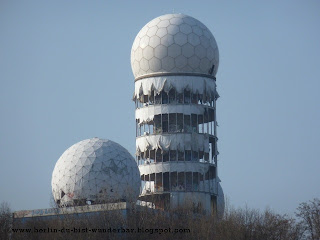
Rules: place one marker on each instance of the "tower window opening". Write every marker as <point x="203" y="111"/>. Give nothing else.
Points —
<point x="138" y="103"/>
<point x="188" y="181"/>
<point x="200" y="123"/>
<point x="188" y="155"/>
<point x="194" y="124"/>
<point x="200" y="98"/>
<point x="179" y="122"/>
<point x="201" y="183"/>
<point x="181" y="182"/>
<point x="211" y="114"/>
<point x="146" y="154"/>
<point x="187" y="125"/>
<point x="211" y="119"/>
<point x="158" y="184"/>
<point x="194" y="98"/>
<point x="147" y="177"/>
<point x="172" y="122"/>
<point x="150" y="127"/>
<point x="180" y="155"/>
<point x="157" y="98"/>
<point x="187" y="97"/>
<point x="201" y="156"/>
<point x="141" y="100"/>
<point x="159" y="155"/>
<point x="172" y="96"/>
<point x="141" y="159"/>
<point x="145" y="100"/>
<point x="180" y="98"/>
<point x="145" y="128"/>
<point x="151" y="98"/>
<point x="142" y="156"/>
<point x="151" y="182"/>
<point x="212" y="172"/>
<point x="157" y="124"/>
<point x="166" y="182"/>
<point x="207" y="175"/>
<point x="173" y="155"/>
<point x="195" y="181"/>
<point x="195" y="156"/>
<point x="174" y="181"/>
<point x="205" y="125"/>
<point x="210" y="127"/>
<point x="165" y="156"/>
<point x="206" y="157"/>
<point x="165" y="122"/>
<point x="152" y="156"/>
<point x="211" y="149"/>
<point x="141" y="127"/>
<point x="214" y="148"/>
<point x="205" y="120"/>
<point x="165" y="97"/>
<point x="137" y="127"/>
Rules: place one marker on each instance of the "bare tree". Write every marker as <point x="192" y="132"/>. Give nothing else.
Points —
<point x="251" y="224"/>
<point x="5" y="220"/>
<point x="191" y="223"/>
<point x="309" y="213"/>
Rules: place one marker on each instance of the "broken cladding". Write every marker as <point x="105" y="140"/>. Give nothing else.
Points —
<point x="174" y="59"/>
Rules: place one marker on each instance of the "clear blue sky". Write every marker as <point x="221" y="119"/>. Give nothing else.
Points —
<point x="65" y="76"/>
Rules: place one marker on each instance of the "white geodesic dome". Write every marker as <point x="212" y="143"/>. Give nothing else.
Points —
<point x="174" y="43"/>
<point x="96" y="171"/>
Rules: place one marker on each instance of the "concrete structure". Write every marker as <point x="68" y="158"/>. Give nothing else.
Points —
<point x="48" y="212"/>
<point x="174" y="60"/>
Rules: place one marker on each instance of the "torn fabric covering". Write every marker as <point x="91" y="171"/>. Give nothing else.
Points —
<point x="174" y="167"/>
<point x="195" y="84"/>
<point x="194" y="141"/>
<point x="147" y="114"/>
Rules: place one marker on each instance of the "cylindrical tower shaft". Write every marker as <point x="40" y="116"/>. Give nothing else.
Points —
<point x="176" y="139"/>
<point x="174" y="60"/>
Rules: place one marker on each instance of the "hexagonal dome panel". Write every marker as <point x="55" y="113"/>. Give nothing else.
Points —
<point x="95" y="170"/>
<point x="181" y="44"/>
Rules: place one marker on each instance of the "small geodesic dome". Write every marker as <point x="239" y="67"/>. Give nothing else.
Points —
<point x="95" y="171"/>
